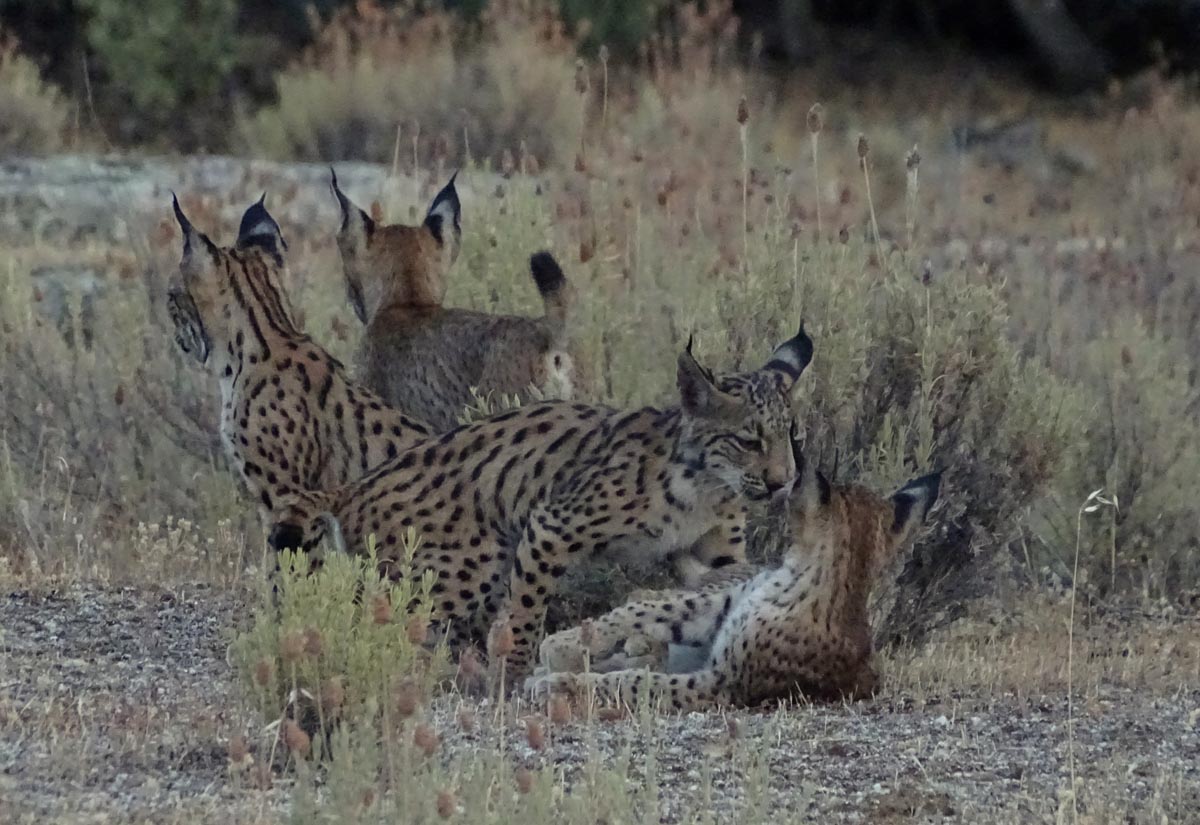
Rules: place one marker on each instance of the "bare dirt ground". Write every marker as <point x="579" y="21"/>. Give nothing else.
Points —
<point x="116" y="704"/>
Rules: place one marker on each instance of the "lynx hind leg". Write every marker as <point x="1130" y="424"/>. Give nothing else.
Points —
<point x="644" y="629"/>
<point x="687" y="691"/>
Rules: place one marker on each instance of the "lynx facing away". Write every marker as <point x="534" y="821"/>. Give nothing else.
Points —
<point x="424" y="358"/>
<point x="800" y="629"/>
<point x="291" y="420"/>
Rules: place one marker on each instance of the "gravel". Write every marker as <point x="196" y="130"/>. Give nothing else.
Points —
<point x="116" y="704"/>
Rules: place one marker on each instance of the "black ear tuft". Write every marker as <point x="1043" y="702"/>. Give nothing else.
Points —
<point x="348" y="209"/>
<point x="825" y="489"/>
<point x="259" y="229"/>
<point x="445" y="212"/>
<point x="286" y="537"/>
<point x="793" y="355"/>
<point x="914" y="500"/>
<point x="184" y="224"/>
<point x="547" y="274"/>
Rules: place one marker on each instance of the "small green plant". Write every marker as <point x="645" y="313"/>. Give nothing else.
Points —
<point x="340" y="644"/>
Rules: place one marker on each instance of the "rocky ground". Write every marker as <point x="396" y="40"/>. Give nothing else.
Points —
<point x="117" y="704"/>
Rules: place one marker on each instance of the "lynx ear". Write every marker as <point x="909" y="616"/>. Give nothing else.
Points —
<point x="811" y="489"/>
<point x="698" y="392"/>
<point x="356" y="224"/>
<point x="444" y="217"/>
<point x="913" y="501"/>
<point x="792" y="356"/>
<point x="199" y="253"/>
<point x="259" y="229"/>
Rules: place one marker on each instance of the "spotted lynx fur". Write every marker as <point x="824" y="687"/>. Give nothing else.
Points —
<point x="506" y="506"/>
<point x="800" y="629"/>
<point x="291" y="419"/>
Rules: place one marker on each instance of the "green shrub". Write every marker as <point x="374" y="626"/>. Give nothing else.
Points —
<point x="338" y="643"/>
<point x="33" y="114"/>
<point x="1135" y="434"/>
<point x="378" y="83"/>
<point x="166" y="67"/>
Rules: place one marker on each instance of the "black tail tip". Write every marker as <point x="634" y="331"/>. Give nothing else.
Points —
<point x="547" y="274"/>
<point x="286" y="537"/>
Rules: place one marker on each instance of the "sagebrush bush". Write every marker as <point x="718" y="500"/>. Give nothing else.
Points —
<point x="1134" y="432"/>
<point x="339" y="644"/>
<point x="383" y="82"/>
<point x="105" y="426"/>
<point x="33" y="114"/>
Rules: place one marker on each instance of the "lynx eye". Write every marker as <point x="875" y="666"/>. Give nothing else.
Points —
<point x="751" y="444"/>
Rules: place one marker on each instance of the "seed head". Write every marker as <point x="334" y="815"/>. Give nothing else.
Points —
<point x="295" y="738"/>
<point x="262" y="672"/>
<point x="239" y="751"/>
<point x="587" y="634"/>
<point x="377" y="211"/>
<point x="417" y="630"/>
<point x="291" y="647"/>
<point x="864" y="148"/>
<point x="469" y="665"/>
<point x="603" y="53"/>
<point x="446" y="804"/>
<point x="501" y="641"/>
<point x="743" y="111"/>
<point x="333" y="694"/>
<point x="559" y="709"/>
<point x="816" y="119"/>
<point x="381" y="609"/>
<point x="408" y="698"/>
<point x="466" y="719"/>
<point x="524" y="778"/>
<point x="314" y="644"/>
<point x="535" y="734"/>
<point x="426" y="739"/>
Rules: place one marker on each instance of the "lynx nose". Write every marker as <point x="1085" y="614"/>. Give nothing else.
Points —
<point x="773" y="485"/>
